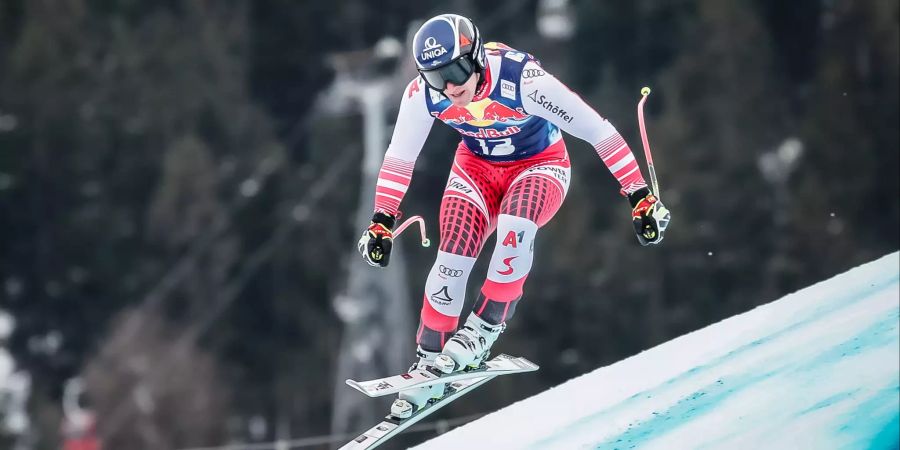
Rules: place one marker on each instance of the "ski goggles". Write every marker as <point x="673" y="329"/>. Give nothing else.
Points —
<point x="457" y="72"/>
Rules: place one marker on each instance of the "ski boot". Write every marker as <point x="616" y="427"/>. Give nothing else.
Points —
<point x="469" y="346"/>
<point x="409" y="401"/>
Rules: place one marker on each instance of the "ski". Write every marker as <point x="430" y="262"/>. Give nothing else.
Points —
<point x="501" y="365"/>
<point x="390" y="426"/>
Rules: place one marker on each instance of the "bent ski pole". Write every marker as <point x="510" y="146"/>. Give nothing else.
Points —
<point x="645" y="91"/>
<point x="425" y="241"/>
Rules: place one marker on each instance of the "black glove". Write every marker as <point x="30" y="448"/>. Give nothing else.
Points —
<point x="649" y="216"/>
<point x="376" y="242"/>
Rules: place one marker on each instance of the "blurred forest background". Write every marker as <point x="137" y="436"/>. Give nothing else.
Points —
<point x="180" y="184"/>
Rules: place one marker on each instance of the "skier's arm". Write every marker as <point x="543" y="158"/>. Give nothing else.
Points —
<point x="410" y="132"/>
<point x="545" y="96"/>
<point x="412" y="127"/>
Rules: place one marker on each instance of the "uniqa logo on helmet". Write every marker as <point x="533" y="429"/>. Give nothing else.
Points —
<point x="432" y="49"/>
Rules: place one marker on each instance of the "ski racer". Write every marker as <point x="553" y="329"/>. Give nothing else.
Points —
<point x="510" y="174"/>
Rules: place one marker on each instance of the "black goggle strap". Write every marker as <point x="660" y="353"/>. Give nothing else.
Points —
<point x="476" y="46"/>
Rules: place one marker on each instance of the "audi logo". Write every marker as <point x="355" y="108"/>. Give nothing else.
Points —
<point x="450" y="272"/>
<point x="533" y="73"/>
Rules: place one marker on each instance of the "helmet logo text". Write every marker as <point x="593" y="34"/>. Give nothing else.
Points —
<point x="432" y="49"/>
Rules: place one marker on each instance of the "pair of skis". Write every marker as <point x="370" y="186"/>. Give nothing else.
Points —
<point x="458" y="384"/>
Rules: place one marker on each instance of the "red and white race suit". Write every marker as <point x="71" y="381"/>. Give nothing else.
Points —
<point x="510" y="174"/>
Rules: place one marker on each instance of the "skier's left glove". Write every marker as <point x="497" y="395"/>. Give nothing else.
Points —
<point x="649" y="216"/>
<point x="376" y="242"/>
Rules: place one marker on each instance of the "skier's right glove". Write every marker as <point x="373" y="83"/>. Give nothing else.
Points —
<point x="649" y="216"/>
<point x="376" y="242"/>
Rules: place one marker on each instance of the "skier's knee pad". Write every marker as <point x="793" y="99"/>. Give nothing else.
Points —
<point x="512" y="257"/>
<point x="445" y="291"/>
<point x="510" y="265"/>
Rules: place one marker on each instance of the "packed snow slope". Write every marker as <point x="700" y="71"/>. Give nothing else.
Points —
<point x="817" y="369"/>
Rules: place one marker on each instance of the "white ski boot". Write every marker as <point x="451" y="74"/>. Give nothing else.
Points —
<point x="469" y="346"/>
<point x="412" y="399"/>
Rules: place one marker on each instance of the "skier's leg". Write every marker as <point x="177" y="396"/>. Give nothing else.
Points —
<point x="445" y="287"/>
<point x="467" y="216"/>
<point x="465" y="222"/>
<point x="531" y="201"/>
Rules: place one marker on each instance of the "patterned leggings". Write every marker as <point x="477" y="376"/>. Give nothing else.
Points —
<point x="515" y="199"/>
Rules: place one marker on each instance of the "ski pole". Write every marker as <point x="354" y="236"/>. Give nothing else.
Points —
<point x="406" y="223"/>
<point x="645" y="91"/>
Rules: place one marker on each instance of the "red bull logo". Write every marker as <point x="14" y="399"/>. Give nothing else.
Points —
<point x="490" y="111"/>
<point x="502" y="113"/>
<point x="455" y="114"/>
<point x="490" y="133"/>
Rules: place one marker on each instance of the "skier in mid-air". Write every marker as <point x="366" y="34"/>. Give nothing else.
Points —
<point x="511" y="173"/>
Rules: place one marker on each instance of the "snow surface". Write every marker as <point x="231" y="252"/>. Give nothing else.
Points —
<point x="817" y="369"/>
